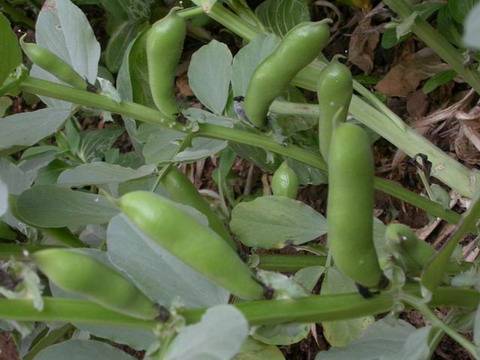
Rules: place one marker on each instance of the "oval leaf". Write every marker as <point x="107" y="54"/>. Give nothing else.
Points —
<point x="28" y="128"/>
<point x="54" y="206"/>
<point x="209" y="75"/>
<point x="82" y="350"/>
<point x="279" y="16"/>
<point x="98" y="173"/>
<point x="219" y="335"/>
<point x="9" y="48"/>
<point x="342" y="333"/>
<point x="275" y="221"/>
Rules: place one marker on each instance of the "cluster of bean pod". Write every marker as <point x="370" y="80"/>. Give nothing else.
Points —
<point x="210" y="249"/>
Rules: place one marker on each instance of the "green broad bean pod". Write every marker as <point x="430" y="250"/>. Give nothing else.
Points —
<point x="181" y="189"/>
<point x="196" y="245"/>
<point x="285" y="181"/>
<point x="164" y="45"/>
<point x="350" y="206"/>
<point x="300" y="46"/>
<point x="74" y="271"/>
<point x="335" y="90"/>
<point x="50" y="62"/>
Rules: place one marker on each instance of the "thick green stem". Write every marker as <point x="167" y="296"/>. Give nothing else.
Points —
<point x="315" y="308"/>
<point x="241" y="27"/>
<point x="336" y="307"/>
<point x="149" y="115"/>
<point x="435" y="321"/>
<point x="290" y="108"/>
<point x="289" y="263"/>
<point x="374" y="114"/>
<point x="437" y="43"/>
<point x="69" y="310"/>
<point x="433" y="208"/>
<point x="190" y="12"/>
<point x="315" y="160"/>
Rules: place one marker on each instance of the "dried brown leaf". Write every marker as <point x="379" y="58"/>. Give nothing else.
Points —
<point x="405" y="77"/>
<point x="183" y="86"/>
<point x="417" y="104"/>
<point x="363" y="43"/>
<point x="464" y="148"/>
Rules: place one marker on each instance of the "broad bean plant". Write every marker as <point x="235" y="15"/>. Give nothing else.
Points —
<point x="106" y="240"/>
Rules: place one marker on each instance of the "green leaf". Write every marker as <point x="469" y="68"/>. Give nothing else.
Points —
<point x="255" y="350"/>
<point x="416" y="347"/>
<point x="247" y="59"/>
<point x="476" y="328"/>
<point x="438" y="79"/>
<point x="308" y="277"/>
<point x="405" y="27"/>
<point x="209" y="75"/>
<point x="286" y="334"/>
<point x="279" y="16"/>
<point x="161" y="144"/>
<point x="5" y="103"/>
<point x="390" y="39"/>
<point x="49" y="174"/>
<point x="448" y="27"/>
<point x="118" y="43"/>
<point x="205" y="117"/>
<point x="219" y="335"/>
<point x="82" y="350"/>
<point x="137" y="339"/>
<point x="94" y="143"/>
<point x="257" y="156"/>
<point x="274" y="222"/>
<point x="99" y="173"/>
<point x="54" y="206"/>
<point x="14" y="177"/>
<point x="201" y="148"/>
<point x="72" y="136"/>
<point x="16" y="181"/>
<point x="285" y="287"/>
<point x="6" y="233"/>
<point x="382" y="340"/>
<point x="9" y="48"/>
<point x="65" y="30"/>
<point x="427" y="9"/>
<point x="472" y="28"/>
<point x="469" y="278"/>
<point x="307" y="175"/>
<point x="3" y="198"/>
<point x="156" y="272"/>
<point x="25" y="129"/>
<point x="342" y="333"/>
<point x="459" y="9"/>
<point x="440" y="195"/>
